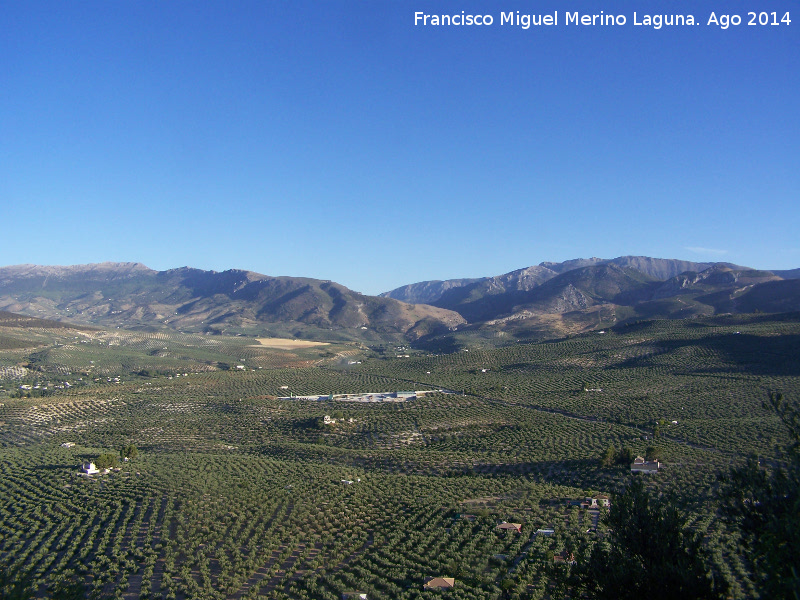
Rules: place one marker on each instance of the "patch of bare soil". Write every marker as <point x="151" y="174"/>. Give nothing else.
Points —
<point x="285" y="344"/>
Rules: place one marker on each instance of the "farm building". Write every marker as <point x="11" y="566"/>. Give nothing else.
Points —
<point x="439" y="583"/>
<point x="598" y="501"/>
<point x="89" y="468"/>
<point x="641" y="465"/>
<point x="603" y="500"/>
<point x="510" y="527"/>
<point x="595" y="502"/>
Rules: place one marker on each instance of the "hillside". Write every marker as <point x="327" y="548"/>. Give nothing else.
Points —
<point x="131" y="295"/>
<point x="605" y="294"/>
<point x="533" y="290"/>
<point x="430" y="292"/>
<point x="426" y="292"/>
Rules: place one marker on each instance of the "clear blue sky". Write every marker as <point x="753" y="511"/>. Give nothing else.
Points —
<point x="335" y="139"/>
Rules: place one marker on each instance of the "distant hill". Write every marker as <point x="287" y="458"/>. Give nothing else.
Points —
<point x="22" y="331"/>
<point x="426" y="292"/>
<point x="789" y="274"/>
<point x="8" y="319"/>
<point x="132" y="295"/>
<point x="430" y="292"/>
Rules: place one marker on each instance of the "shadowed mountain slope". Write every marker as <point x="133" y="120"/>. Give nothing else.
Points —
<point x="606" y="294"/>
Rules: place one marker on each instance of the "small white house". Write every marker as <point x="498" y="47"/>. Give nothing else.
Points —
<point x="89" y="468"/>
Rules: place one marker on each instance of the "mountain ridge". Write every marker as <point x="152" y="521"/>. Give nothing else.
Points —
<point x="536" y="302"/>
<point x="131" y="294"/>
<point x="660" y="268"/>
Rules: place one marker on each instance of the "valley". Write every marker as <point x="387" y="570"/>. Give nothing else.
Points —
<point x="242" y="490"/>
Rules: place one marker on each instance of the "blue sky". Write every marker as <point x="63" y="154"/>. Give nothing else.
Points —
<point x="337" y="140"/>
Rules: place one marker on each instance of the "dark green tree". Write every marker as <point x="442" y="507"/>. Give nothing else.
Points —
<point x="15" y="584"/>
<point x="625" y="456"/>
<point x="650" y="553"/>
<point x="68" y="587"/>
<point x="609" y="457"/>
<point x="106" y="461"/>
<point x="764" y="503"/>
<point x="128" y="451"/>
<point x="652" y="453"/>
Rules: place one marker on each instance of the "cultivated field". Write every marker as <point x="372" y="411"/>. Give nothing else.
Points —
<point x="237" y="493"/>
<point x="288" y="344"/>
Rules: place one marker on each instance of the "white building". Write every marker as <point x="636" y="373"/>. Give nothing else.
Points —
<point x="89" y="468"/>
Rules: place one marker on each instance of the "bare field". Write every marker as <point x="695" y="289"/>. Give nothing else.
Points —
<point x="285" y="344"/>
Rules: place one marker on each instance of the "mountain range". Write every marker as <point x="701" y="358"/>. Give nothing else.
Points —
<point x="130" y="295"/>
<point x="429" y="292"/>
<point x="546" y="300"/>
